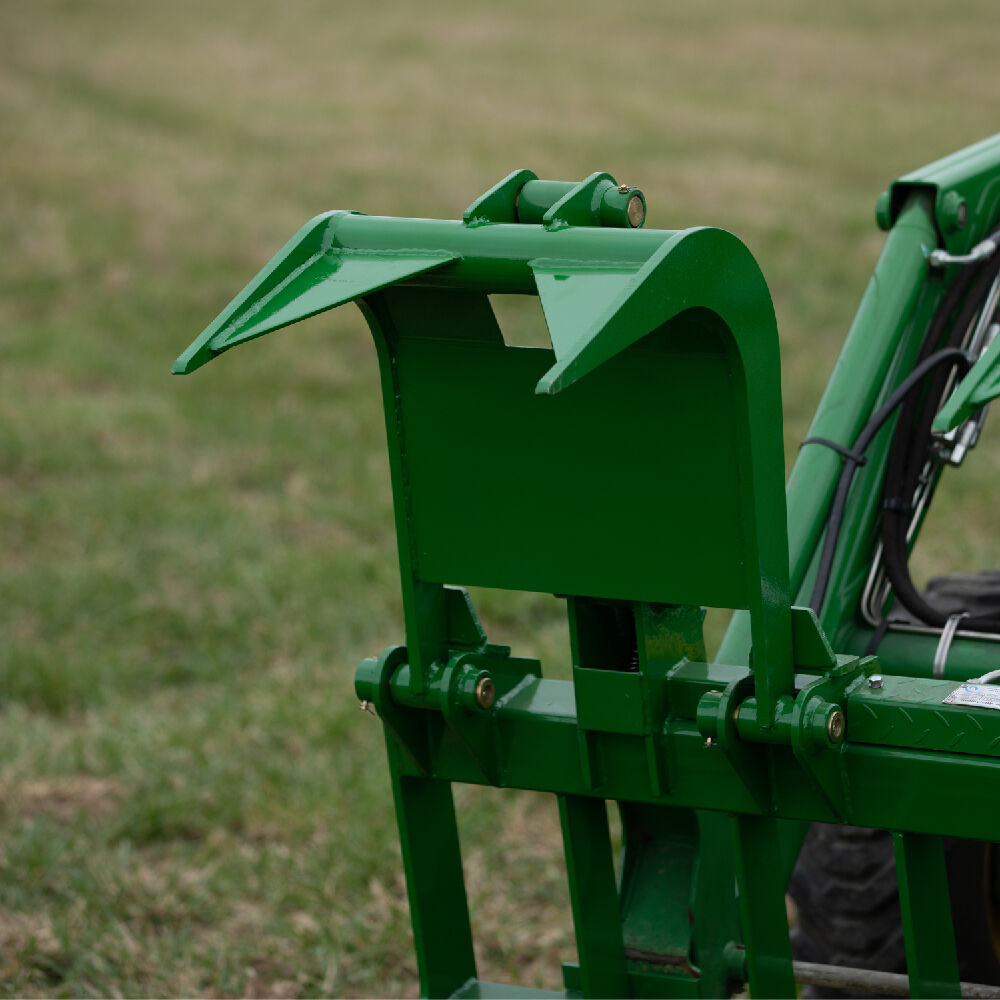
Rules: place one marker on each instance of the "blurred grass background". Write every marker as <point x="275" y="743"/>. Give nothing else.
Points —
<point x="190" y="569"/>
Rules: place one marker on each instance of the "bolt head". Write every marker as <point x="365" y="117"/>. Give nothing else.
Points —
<point x="875" y="681"/>
<point x="486" y="692"/>
<point x="623" y="189"/>
<point x="835" y="726"/>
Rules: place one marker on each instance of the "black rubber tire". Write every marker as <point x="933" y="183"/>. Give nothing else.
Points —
<point x="845" y="891"/>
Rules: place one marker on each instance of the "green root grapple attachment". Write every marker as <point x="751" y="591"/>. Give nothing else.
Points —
<point x="635" y="469"/>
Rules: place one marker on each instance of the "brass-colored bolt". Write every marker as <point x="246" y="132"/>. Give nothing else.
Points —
<point x="623" y="189"/>
<point x="486" y="692"/>
<point x="835" y="726"/>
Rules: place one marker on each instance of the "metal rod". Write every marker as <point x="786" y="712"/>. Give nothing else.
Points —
<point x="894" y="984"/>
<point x="981" y="251"/>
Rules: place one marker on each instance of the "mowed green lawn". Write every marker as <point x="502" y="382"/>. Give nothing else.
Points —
<point x="190" y="569"/>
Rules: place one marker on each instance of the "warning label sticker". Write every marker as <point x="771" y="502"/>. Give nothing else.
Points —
<point x="980" y="695"/>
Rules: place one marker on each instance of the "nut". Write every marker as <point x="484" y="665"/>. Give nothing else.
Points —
<point x="875" y="681"/>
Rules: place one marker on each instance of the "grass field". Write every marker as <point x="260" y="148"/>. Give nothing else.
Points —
<point x="190" y="569"/>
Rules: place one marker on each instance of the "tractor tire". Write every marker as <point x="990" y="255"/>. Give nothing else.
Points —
<point x="844" y="889"/>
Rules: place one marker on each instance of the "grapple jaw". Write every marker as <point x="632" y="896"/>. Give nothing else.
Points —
<point x="309" y="275"/>
<point x="321" y="268"/>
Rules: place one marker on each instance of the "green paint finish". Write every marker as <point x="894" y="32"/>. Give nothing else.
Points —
<point x="642" y="985"/>
<point x="688" y="682"/>
<point x="811" y="647"/>
<point x="929" y="935"/>
<point x="500" y="202"/>
<point x="649" y="985"/>
<point x="595" y="201"/>
<point x="435" y="883"/>
<point x="715" y="921"/>
<point x="878" y="353"/>
<point x="611" y="701"/>
<point x="659" y="854"/>
<point x="912" y="653"/>
<point x="979" y="387"/>
<point x="569" y="292"/>
<point x="968" y="175"/>
<point x="540" y="475"/>
<point x="536" y="733"/>
<point x="909" y="712"/>
<point x="762" y="907"/>
<point x="636" y="469"/>
<point x="864" y="375"/>
<point x="309" y="275"/>
<point x="593" y="896"/>
<point x="676" y="866"/>
<point x="598" y="200"/>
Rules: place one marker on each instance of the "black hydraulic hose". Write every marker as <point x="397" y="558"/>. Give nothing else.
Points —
<point x="909" y="450"/>
<point x="916" y="454"/>
<point x="946" y="320"/>
<point x="910" y="384"/>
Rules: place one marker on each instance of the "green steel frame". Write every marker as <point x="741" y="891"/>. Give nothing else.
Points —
<point x="636" y="470"/>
